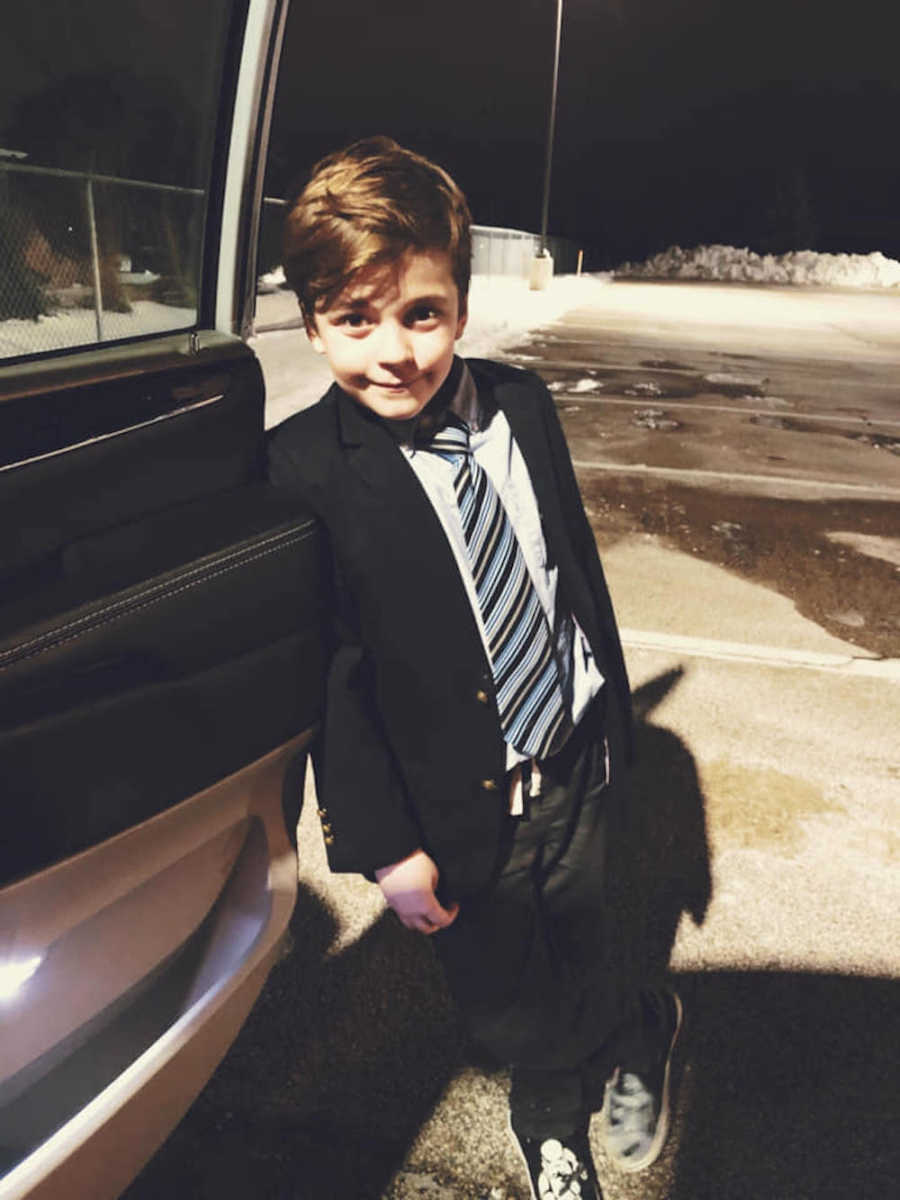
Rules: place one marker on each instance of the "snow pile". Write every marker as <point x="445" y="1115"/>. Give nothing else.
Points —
<point x="732" y="265"/>
<point x="271" y="281"/>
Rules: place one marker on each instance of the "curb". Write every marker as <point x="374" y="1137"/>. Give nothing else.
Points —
<point x="884" y="669"/>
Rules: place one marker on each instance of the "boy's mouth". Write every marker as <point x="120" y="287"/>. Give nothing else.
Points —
<point x="393" y="387"/>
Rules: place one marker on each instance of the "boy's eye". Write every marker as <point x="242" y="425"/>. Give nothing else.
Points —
<point x="423" y="312"/>
<point x="353" y="320"/>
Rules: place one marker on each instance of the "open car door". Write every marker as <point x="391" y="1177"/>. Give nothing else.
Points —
<point x="161" y="649"/>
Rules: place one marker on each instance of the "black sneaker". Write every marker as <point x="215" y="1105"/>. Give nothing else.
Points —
<point x="636" y="1107"/>
<point x="560" y="1168"/>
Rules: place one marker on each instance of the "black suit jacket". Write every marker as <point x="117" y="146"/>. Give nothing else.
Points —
<point x="411" y="752"/>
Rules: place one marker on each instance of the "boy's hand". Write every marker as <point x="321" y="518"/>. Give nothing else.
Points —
<point x="408" y="886"/>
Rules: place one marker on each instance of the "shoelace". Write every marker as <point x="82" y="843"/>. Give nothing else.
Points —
<point x="630" y="1102"/>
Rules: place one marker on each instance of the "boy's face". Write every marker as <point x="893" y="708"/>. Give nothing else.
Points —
<point x="389" y="335"/>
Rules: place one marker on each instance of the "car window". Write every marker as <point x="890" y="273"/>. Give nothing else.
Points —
<point x="108" y="116"/>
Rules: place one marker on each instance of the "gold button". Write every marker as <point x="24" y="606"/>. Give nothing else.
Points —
<point x="326" y="828"/>
<point x="489" y="785"/>
<point x="323" y="812"/>
<point x="329" y="841"/>
<point x="481" y="696"/>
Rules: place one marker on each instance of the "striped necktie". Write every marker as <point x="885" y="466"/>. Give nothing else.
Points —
<point x="533" y="714"/>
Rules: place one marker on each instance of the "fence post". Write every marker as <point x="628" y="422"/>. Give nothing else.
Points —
<point x="95" y="256"/>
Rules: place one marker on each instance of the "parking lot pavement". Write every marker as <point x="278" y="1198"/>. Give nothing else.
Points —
<point x="768" y="797"/>
<point x="763" y="658"/>
<point x="786" y="776"/>
<point x="754" y="428"/>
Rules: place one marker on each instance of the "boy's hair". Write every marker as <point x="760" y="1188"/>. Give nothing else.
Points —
<point x="365" y="206"/>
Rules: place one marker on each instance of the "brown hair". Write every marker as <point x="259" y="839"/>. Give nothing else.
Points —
<point x="365" y="206"/>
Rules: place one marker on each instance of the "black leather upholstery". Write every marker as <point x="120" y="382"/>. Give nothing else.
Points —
<point x="161" y="620"/>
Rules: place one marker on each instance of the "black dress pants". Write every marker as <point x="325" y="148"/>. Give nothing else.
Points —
<point x="544" y="964"/>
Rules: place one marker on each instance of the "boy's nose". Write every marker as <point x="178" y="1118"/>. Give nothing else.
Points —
<point x="394" y="345"/>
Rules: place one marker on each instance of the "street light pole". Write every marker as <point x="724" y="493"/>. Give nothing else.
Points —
<point x="551" y="126"/>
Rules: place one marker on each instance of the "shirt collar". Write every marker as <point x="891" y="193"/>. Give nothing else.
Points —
<point x="465" y="402"/>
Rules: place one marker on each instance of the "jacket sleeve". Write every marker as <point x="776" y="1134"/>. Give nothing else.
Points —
<point x="366" y="818"/>
<point x="586" y="548"/>
<point x="363" y="804"/>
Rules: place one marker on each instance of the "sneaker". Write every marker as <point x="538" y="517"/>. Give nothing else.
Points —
<point x="560" y="1168"/>
<point x="635" y="1112"/>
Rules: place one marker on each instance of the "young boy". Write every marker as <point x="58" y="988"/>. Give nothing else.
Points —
<point x="477" y="715"/>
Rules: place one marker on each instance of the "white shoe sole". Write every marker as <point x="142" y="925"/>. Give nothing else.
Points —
<point x="522" y="1158"/>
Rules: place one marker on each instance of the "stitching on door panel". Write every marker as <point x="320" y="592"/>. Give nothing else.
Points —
<point x="51" y="638"/>
<point x="127" y="603"/>
<point x="114" y="433"/>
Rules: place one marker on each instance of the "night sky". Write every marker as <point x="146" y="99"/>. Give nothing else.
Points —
<point x="772" y="124"/>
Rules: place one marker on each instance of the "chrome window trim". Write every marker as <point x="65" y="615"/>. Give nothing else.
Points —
<point x="255" y="95"/>
<point x="105" y="437"/>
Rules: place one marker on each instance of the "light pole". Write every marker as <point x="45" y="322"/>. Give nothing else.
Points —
<point x="551" y="126"/>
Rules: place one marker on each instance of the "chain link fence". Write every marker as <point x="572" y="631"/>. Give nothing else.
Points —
<point x="91" y="258"/>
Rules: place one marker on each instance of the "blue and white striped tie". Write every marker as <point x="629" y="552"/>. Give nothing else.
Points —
<point x="526" y="678"/>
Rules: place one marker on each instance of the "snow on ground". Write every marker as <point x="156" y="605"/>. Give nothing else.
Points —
<point x="502" y="313"/>
<point x="271" y="281"/>
<point x="730" y="264"/>
<point x="502" y="310"/>
<point x="78" y="327"/>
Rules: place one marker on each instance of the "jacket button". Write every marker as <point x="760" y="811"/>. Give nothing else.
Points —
<point x="489" y="785"/>
<point x="329" y="840"/>
<point x="326" y="828"/>
<point x="481" y="696"/>
<point x="323" y="812"/>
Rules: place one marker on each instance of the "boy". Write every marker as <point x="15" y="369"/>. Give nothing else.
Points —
<point x="477" y="714"/>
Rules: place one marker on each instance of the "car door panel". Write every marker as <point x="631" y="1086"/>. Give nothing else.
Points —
<point x="162" y="610"/>
<point x="87" y="1093"/>
<point x="198" y="431"/>
<point x="154" y="643"/>
<point x="162" y="653"/>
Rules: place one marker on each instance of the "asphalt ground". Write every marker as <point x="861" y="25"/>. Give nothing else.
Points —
<point x="763" y="655"/>
<point x="758" y="429"/>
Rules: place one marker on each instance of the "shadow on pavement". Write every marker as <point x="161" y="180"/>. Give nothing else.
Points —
<point x="789" y="1089"/>
<point x="346" y="1054"/>
<point x="320" y="1097"/>
<point x="670" y="873"/>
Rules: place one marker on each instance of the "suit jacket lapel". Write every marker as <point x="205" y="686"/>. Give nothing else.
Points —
<point x="370" y="449"/>
<point x="398" y="504"/>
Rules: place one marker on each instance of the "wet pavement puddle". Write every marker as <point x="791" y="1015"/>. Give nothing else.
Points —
<point x="783" y="544"/>
<point x="759" y="808"/>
